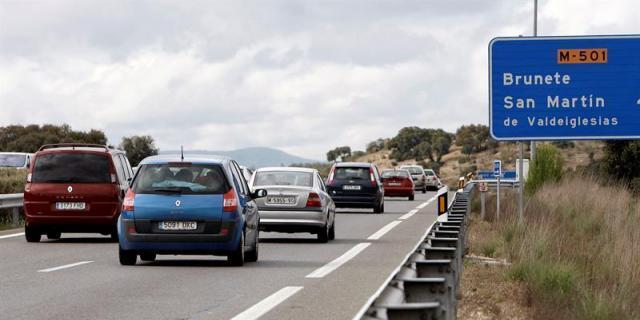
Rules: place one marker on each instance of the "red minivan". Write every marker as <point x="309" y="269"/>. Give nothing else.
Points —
<point x="75" y="187"/>
<point x="398" y="183"/>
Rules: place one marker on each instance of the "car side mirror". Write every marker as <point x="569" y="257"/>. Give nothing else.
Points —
<point x="259" y="193"/>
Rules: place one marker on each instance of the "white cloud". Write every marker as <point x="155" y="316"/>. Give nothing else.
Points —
<point x="301" y="76"/>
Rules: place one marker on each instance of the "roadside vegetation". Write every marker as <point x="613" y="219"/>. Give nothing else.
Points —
<point x="12" y="180"/>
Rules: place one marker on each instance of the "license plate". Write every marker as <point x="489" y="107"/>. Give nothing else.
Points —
<point x="395" y="184"/>
<point x="281" y="200"/>
<point x="178" y="225"/>
<point x="70" y="205"/>
<point x="351" y="187"/>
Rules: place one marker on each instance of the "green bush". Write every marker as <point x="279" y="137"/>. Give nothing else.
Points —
<point x="546" y="168"/>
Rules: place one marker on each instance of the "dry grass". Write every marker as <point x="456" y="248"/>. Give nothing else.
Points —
<point x="579" y="250"/>
<point x="12" y="180"/>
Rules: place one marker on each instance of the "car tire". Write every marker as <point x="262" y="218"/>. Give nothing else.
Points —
<point x="323" y="233"/>
<point x="237" y="257"/>
<point x="411" y="197"/>
<point x="32" y="235"/>
<point x="54" y="235"/>
<point x="148" y="256"/>
<point x="127" y="257"/>
<point x="252" y="256"/>
<point x="379" y="208"/>
<point x="424" y="190"/>
<point x="114" y="235"/>
<point x="332" y="231"/>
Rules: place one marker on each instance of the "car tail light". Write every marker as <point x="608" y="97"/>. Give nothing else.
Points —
<point x="331" y="175"/>
<point x="113" y="178"/>
<point x="423" y="178"/>
<point x="224" y="231"/>
<point x="314" y="200"/>
<point x="230" y="202"/>
<point x="128" y="202"/>
<point x="29" y="177"/>
<point x="373" y="178"/>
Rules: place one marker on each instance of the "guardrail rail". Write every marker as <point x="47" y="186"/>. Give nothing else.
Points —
<point x="12" y="201"/>
<point x="425" y="285"/>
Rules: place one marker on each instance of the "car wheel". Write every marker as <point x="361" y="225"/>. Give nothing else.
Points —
<point x="148" y="256"/>
<point x="323" y="234"/>
<point x="53" y="235"/>
<point x="127" y="257"/>
<point x="114" y="235"/>
<point x="237" y="257"/>
<point x="424" y="190"/>
<point x="332" y="231"/>
<point x="411" y="197"/>
<point x="252" y="256"/>
<point x="32" y="235"/>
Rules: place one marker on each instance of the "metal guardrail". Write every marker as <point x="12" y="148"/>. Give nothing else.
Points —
<point x="504" y="183"/>
<point x="425" y="285"/>
<point x="13" y="201"/>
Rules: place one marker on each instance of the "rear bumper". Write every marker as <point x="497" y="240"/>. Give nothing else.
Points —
<point x="178" y="242"/>
<point x="397" y="192"/>
<point x="76" y="221"/>
<point x="356" y="201"/>
<point x="292" y="221"/>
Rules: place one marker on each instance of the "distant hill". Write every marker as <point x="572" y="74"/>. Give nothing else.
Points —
<point x="255" y="157"/>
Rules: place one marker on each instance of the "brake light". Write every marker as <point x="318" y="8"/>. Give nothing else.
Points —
<point x="373" y="178"/>
<point x="230" y="202"/>
<point x="423" y="178"/>
<point x="314" y="200"/>
<point x="113" y="178"/>
<point x="29" y="177"/>
<point x="128" y="202"/>
<point x="331" y="175"/>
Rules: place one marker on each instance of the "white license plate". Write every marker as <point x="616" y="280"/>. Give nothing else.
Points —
<point x="178" y="225"/>
<point x="70" y="205"/>
<point x="351" y="187"/>
<point x="281" y="200"/>
<point x="395" y="184"/>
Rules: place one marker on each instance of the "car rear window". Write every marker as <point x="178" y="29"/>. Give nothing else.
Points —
<point x="184" y="178"/>
<point x="283" y="178"/>
<point x="71" y="168"/>
<point x="394" y="174"/>
<point x="12" y="160"/>
<point x="429" y="173"/>
<point x="414" y="170"/>
<point x="351" y="173"/>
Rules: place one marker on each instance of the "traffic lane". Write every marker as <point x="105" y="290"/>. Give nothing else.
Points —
<point x="341" y="294"/>
<point x="190" y="286"/>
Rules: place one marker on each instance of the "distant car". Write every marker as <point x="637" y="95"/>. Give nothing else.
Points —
<point x="297" y="202"/>
<point x="418" y="176"/>
<point x="397" y="183"/>
<point x="19" y="160"/>
<point x="195" y="205"/>
<point x="356" y="185"/>
<point x="75" y="187"/>
<point x="247" y="173"/>
<point x="433" y="182"/>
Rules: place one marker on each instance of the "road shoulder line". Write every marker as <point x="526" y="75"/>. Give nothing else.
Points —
<point x="339" y="261"/>
<point x="268" y="303"/>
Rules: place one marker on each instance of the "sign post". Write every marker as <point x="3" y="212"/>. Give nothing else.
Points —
<point x="483" y="195"/>
<point x="497" y="172"/>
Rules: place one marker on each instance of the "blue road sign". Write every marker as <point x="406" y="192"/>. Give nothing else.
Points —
<point x="564" y="88"/>
<point x="497" y="168"/>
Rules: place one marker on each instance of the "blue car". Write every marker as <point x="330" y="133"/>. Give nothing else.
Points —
<point x="195" y="205"/>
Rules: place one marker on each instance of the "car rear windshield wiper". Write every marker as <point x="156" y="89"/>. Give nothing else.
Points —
<point x="172" y="190"/>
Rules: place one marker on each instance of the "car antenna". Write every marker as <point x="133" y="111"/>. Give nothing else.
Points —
<point x="181" y="153"/>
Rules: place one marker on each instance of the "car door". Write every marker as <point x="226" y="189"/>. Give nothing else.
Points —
<point x="249" y="207"/>
<point x="123" y="182"/>
<point x="328" y="202"/>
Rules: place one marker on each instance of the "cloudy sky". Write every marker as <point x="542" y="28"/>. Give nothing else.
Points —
<point x="301" y="76"/>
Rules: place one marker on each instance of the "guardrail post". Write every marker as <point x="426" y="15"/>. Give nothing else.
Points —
<point x="15" y="216"/>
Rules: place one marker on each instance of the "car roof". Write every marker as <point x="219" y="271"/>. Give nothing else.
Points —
<point x="193" y="158"/>
<point x="19" y="153"/>
<point x="104" y="150"/>
<point x="411" y="166"/>
<point x="289" y="169"/>
<point x="353" y="164"/>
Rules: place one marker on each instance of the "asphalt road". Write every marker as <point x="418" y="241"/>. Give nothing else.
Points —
<point x="79" y="277"/>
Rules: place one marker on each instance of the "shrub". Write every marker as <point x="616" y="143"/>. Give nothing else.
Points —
<point x="12" y="180"/>
<point x="546" y="168"/>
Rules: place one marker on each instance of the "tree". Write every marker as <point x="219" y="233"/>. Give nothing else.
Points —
<point x="474" y="138"/>
<point x="376" y="145"/>
<point x="30" y="138"/>
<point x="419" y="143"/>
<point x="622" y="159"/>
<point x="546" y="168"/>
<point x="138" y="148"/>
<point x="339" y="152"/>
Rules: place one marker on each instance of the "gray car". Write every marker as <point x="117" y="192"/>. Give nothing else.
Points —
<point x="418" y="176"/>
<point x="433" y="182"/>
<point x="297" y="201"/>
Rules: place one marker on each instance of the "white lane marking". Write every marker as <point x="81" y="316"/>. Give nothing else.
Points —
<point x="12" y="235"/>
<point x="408" y="214"/>
<point x="339" y="261"/>
<point x="393" y="273"/>
<point x="426" y="203"/>
<point x="268" y="303"/>
<point x="384" y="230"/>
<point x="65" y="266"/>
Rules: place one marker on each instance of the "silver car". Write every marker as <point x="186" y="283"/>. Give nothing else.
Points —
<point x="296" y="201"/>
<point x="418" y="176"/>
<point x="433" y="182"/>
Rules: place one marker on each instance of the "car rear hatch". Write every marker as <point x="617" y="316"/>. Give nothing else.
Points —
<point x="353" y="181"/>
<point x="179" y="198"/>
<point x="284" y="198"/>
<point x="72" y="184"/>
